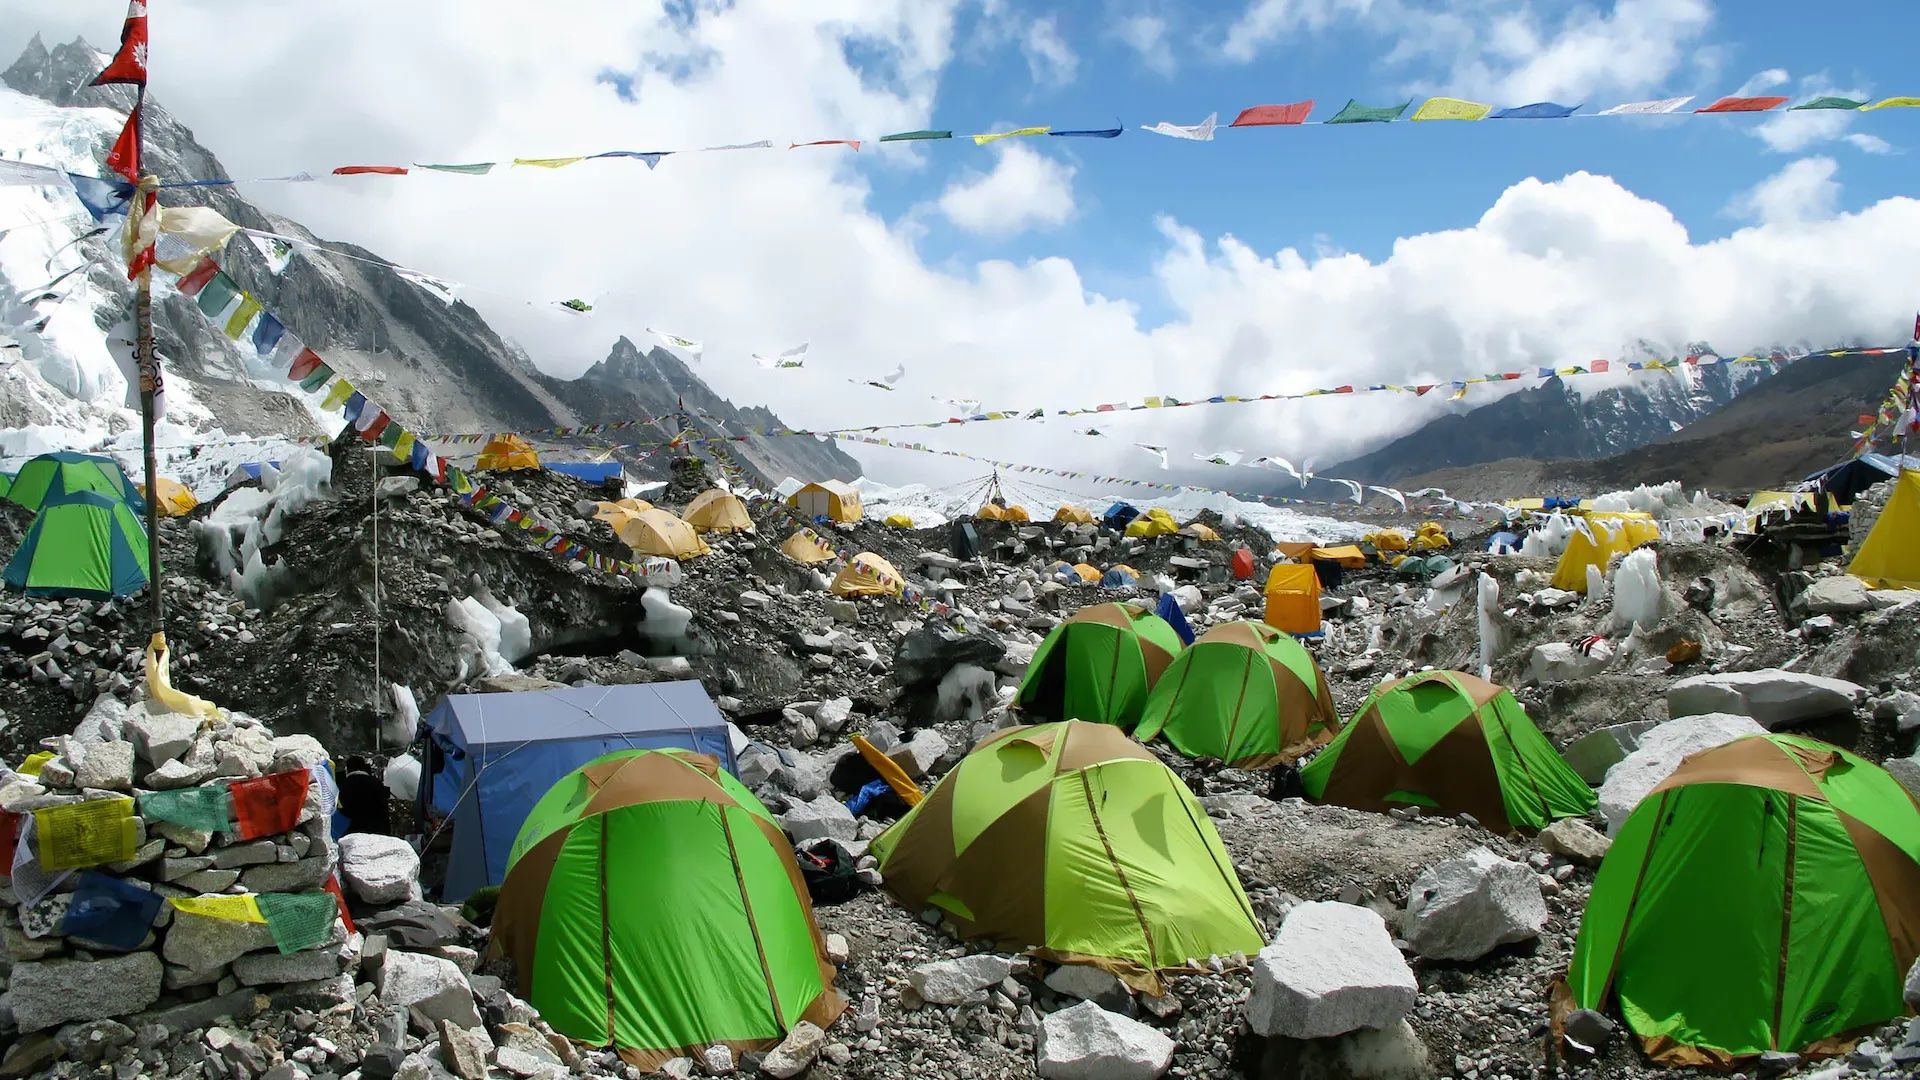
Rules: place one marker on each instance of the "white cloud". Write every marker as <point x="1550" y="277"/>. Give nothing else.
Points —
<point x="1803" y="191"/>
<point x="1025" y="190"/>
<point x="1786" y="131"/>
<point x="1050" y="59"/>
<point x="1146" y="34"/>
<point x="1868" y="144"/>
<point x="1763" y="81"/>
<point x="1265" y="22"/>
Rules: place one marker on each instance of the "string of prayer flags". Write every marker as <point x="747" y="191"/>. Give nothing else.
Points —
<point x="244" y="907"/>
<point x="268" y="805"/>
<point x="110" y="911"/>
<point x="792" y="358"/>
<point x="675" y="341"/>
<point x="760" y="144"/>
<point x="1272" y="115"/>
<point x="1446" y="108"/>
<point x="83" y="834"/>
<point x="478" y="168"/>
<point x="203" y="809"/>
<point x="1658" y="107"/>
<point x="1200" y="132"/>
<point x="1355" y="113"/>
<point x="855" y="143"/>
<point x="299" y="921"/>
<point x="651" y="157"/>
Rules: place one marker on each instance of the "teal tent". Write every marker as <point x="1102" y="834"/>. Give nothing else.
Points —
<point x="81" y="544"/>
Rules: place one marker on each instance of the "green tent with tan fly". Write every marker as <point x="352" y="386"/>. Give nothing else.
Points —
<point x="1765" y="896"/>
<point x="1450" y="743"/>
<point x="1098" y="665"/>
<point x="652" y="904"/>
<point x="1244" y="694"/>
<point x="1074" y="841"/>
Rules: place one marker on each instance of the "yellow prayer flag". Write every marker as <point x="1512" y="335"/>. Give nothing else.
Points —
<point x="31" y="766"/>
<point x="336" y="397"/>
<point x="242" y="908"/>
<point x="548" y="162"/>
<point x="242" y="315"/>
<point x="403" y="449"/>
<point x="991" y="136"/>
<point x="1893" y="103"/>
<point x="1447" y="108"/>
<point x="86" y="834"/>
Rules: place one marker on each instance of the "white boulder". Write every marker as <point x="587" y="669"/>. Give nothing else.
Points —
<point x="1086" y="983"/>
<point x="796" y="1052"/>
<point x="1087" y="1042"/>
<point x="435" y="986"/>
<point x="1466" y="907"/>
<point x="1558" y="662"/>
<point x="1842" y="594"/>
<point x="1772" y="696"/>
<point x="1659" y="753"/>
<point x="823" y="816"/>
<point x="1576" y="841"/>
<point x="961" y="981"/>
<point x="379" y="869"/>
<point x="1331" y="969"/>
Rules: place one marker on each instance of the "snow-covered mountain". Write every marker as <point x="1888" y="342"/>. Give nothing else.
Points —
<point x="439" y="366"/>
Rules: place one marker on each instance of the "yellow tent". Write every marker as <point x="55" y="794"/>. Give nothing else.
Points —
<point x="1293" y="598"/>
<point x="1612" y="534"/>
<point x="657" y="532"/>
<point x="1073" y="515"/>
<point x="1018" y="513"/>
<point x="1155" y="522"/>
<point x="1347" y="555"/>
<point x="714" y="510"/>
<point x="828" y="499"/>
<point x="612" y="511"/>
<point x="868" y="575"/>
<point x="1387" y="540"/>
<point x="899" y="521"/>
<point x="507" y="452"/>
<point x="991" y="511"/>
<point x="1201" y="532"/>
<point x="1889" y="558"/>
<point x="1088" y="574"/>
<point x="807" y="547"/>
<point x="175" y="500"/>
<point x="1431" y="537"/>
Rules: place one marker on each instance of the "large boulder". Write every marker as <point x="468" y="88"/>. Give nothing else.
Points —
<point x="1465" y="907"/>
<point x="1772" y="697"/>
<point x="1394" y="1052"/>
<point x="433" y="985"/>
<point x="1558" y="662"/>
<point x="49" y="992"/>
<point x="1331" y="969"/>
<point x="201" y="943"/>
<point x="823" y="816"/>
<point x="1842" y="594"/>
<point x="925" y="656"/>
<point x="379" y="869"/>
<point x="962" y="981"/>
<point x="796" y="1052"/>
<point x="1087" y="1042"/>
<point x="1576" y="841"/>
<point x="1659" y="753"/>
<point x="1592" y="754"/>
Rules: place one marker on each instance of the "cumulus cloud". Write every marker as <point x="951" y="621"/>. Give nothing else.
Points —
<point x="1025" y="190"/>
<point x="1146" y="34"/>
<point x="1806" y="190"/>
<point x="1049" y="58"/>
<point x="1868" y="144"/>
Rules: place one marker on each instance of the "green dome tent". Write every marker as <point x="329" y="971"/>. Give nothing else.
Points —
<point x="1766" y="896"/>
<point x="1452" y="743"/>
<point x="1098" y="665"/>
<point x="83" y="544"/>
<point x="50" y="476"/>
<point x="1074" y="841"/>
<point x="652" y="903"/>
<point x="1245" y="694"/>
<point x="6" y="484"/>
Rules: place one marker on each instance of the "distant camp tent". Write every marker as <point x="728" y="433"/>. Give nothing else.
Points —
<point x="867" y="574"/>
<point x="614" y="511"/>
<point x="1788" y="871"/>
<point x="1298" y="550"/>
<point x="1018" y="513"/>
<point x="1844" y="482"/>
<point x="1242" y="564"/>
<point x="507" y="452"/>
<point x="6" y="484"/>
<point x="249" y="470"/>
<point x="1201" y="532"/>
<point x="898" y="520"/>
<point x="1387" y="540"/>
<point x="1155" y="522"/>
<point x="1244" y="694"/>
<point x="806" y="546"/>
<point x="719" y="511"/>
<point x="1073" y="515"/>
<point x="1120" y="576"/>
<point x="593" y="472"/>
<point x="1293" y="598"/>
<point x="81" y="544"/>
<point x="491" y="756"/>
<point x="830" y="499"/>
<point x="658" y="532"/>
<point x="50" y="476"/>
<point x="1332" y="564"/>
<point x="1119" y="515"/>
<point x="991" y="511"/>
<point x="1074" y="841"/>
<point x="1605" y="535"/>
<point x="1889" y="558"/>
<point x="1098" y="665"/>
<point x="651" y="903"/>
<point x="1074" y="573"/>
<point x="175" y="500"/>
<point x="1451" y="743"/>
<point x="1431" y="537"/>
<point x="1171" y="613"/>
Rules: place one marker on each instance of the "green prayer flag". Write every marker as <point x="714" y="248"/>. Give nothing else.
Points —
<point x="1828" y="102"/>
<point x="1356" y="113"/>
<point x="477" y="169"/>
<point x="911" y="136"/>
<point x="216" y="294"/>
<point x="316" y="378"/>
<point x="298" y="921"/>
<point x="202" y="808"/>
<point x="242" y="315"/>
<point x="390" y="435"/>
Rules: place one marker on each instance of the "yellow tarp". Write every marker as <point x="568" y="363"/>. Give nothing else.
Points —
<point x="175" y="500"/>
<point x="830" y="499"/>
<point x="868" y="575"/>
<point x="807" y="547"/>
<point x="714" y="510"/>
<point x="1293" y="598"/>
<point x="1613" y="534"/>
<point x="1889" y="558"/>
<point x="1202" y="532"/>
<point x="1526" y="504"/>
<point x="507" y="452"/>
<point x="1387" y="540"/>
<point x="657" y="532"/>
<point x="1073" y="515"/>
<point x="1297" y="549"/>
<point x="1155" y="522"/>
<point x="899" y="521"/>
<point x="1347" y="555"/>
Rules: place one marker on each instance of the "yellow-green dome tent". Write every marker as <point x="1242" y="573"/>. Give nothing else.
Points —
<point x="1244" y="694"/>
<point x="1098" y="665"/>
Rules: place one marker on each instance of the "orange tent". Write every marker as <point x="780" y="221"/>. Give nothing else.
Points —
<point x="507" y="452"/>
<point x="1293" y="598"/>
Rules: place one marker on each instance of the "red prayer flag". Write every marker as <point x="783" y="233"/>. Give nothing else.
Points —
<point x="1264" y="115"/>
<point x="1421" y="390"/>
<point x="9" y="835"/>
<point x="382" y="170"/>
<point x="1343" y="389"/>
<point x="270" y="804"/>
<point x="1865" y="418"/>
<point x="1599" y="367"/>
<point x="124" y="158"/>
<point x="197" y="278"/>
<point x="1916" y="326"/>
<point x="1744" y="104"/>
<point x="374" y="429"/>
<point x="130" y="60"/>
<point x="303" y="364"/>
<point x="855" y="143"/>
<point x="333" y="886"/>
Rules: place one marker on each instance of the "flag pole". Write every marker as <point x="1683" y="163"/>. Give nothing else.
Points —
<point x="149" y="370"/>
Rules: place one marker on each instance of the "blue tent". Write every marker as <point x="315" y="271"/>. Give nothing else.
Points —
<point x="1504" y="543"/>
<point x="1118" y="515"/>
<point x="1845" y="481"/>
<point x="245" y="471"/>
<point x="491" y="756"/>
<point x="593" y="472"/>
<point x="1170" y="613"/>
<point x="1117" y="578"/>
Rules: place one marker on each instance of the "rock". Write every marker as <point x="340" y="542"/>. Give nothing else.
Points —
<point x="1778" y="1063"/>
<point x="177" y="774"/>
<point x="275" y="968"/>
<point x="1912" y="992"/>
<point x="1085" y="983"/>
<point x="1394" y="1052"/>
<point x="962" y="981"/>
<point x="795" y="1052"/>
<point x="837" y="949"/>
<point x="919" y="756"/>
<point x="45" y="993"/>
<point x="842" y="611"/>
<point x="1772" y="697"/>
<point x="1588" y="1030"/>
<point x="465" y="1050"/>
<point x="199" y="943"/>
<point x="1660" y="752"/>
<point x="161" y="737"/>
<point x="1592" y="754"/>
<point x="435" y="987"/>
<point x="925" y="656"/>
<point x="831" y="716"/>
<point x="107" y="766"/>
<point x="822" y="816"/>
<point x="1576" y="841"/>
<point x="92" y="1040"/>
<point x="1086" y="1042"/>
<point x="308" y="873"/>
<point x="379" y="869"/>
<point x="1843" y="594"/>
<point x="1559" y="662"/>
<point x="717" y="1060"/>
<point x="1331" y="969"/>
<point x="1466" y="907"/>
